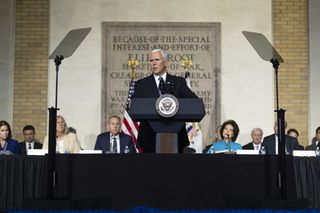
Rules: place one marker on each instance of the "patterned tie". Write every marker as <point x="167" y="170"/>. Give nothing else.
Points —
<point x="161" y="86"/>
<point x="114" y="145"/>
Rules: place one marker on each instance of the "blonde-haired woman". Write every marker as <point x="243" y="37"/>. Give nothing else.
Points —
<point x="67" y="142"/>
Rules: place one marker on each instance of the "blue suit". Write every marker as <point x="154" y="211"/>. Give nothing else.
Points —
<point x="12" y="146"/>
<point x="222" y="145"/>
<point x="103" y="142"/>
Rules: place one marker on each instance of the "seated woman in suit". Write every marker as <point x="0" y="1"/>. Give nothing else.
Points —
<point x="67" y="142"/>
<point x="8" y="146"/>
<point x="229" y="132"/>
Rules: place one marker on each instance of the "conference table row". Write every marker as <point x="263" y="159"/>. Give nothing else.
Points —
<point x="165" y="181"/>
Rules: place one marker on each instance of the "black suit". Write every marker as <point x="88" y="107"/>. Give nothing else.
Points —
<point x="311" y="147"/>
<point x="23" y="150"/>
<point x="248" y="146"/>
<point x="270" y="144"/>
<point x="147" y="88"/>
<point x="103" y="142"/>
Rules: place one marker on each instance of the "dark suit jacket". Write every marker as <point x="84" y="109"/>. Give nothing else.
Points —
<point x="248" y="146"/>
<point x="147" y="88"/>
<point x="103" y="142"/>
<point x="23" y="150"/>
<point x="206" y="149"/>
<point x="270" y="146"/>
<point x="311" y="147"/>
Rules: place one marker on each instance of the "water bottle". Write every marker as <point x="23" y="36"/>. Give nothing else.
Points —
<point x="286" y="150"/>
<point x="262" y="150"/>
<point x="126" y="150"/>
<point x="318" y="152"/>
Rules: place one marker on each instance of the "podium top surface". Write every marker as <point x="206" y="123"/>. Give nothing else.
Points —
<point x="144" y="109"/>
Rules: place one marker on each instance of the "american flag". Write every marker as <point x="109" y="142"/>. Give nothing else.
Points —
<point x="129" y="126"/>
<point x="193" y="128"/>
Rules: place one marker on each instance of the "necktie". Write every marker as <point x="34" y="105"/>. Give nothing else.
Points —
<point x="161" y="86"/>
<point x="114" y="145"/>
<point x="256" y="147"/>
<point x="29" y="147"/>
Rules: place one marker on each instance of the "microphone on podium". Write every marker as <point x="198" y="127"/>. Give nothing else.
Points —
<point x="170" y="86"/>
<point x="229" y="142"/>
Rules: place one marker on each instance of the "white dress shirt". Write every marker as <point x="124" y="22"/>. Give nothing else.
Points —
<point x="27" y="145"/>
<point x="156" y="78"/>
<point x="276" y="143"/>
<point x="257" y="146"/>
<point x="118" y="142"/>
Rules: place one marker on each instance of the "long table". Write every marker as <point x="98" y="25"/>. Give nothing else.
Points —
<point x="167" y="181"/>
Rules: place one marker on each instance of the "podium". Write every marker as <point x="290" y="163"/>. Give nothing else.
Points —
<point x="166" y="129"/>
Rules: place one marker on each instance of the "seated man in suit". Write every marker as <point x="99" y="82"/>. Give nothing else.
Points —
<point x="152" y="87"/>
<point x="271" y="142"/>
<point x="256" y="135"/>
<point x="295" y="134"/>
<point x="315" y="141"/>
<point x="29" y="140"/>
<point x="114" y="141"/>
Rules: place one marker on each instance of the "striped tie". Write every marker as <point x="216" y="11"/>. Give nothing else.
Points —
<point x="161" y="86"/>
<point x="114" y="145"/>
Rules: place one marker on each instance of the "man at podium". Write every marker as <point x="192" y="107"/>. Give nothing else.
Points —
<point x="152" y="87"/>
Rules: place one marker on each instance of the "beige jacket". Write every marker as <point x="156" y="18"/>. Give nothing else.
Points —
<point x="71" y="143"/>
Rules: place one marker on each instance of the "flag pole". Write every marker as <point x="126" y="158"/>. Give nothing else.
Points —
<point x="194" y="129"/>
<point x="133" y="63"/>
<point x="129" y="126"/>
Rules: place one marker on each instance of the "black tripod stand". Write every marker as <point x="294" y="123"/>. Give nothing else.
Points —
<point x="64" y="50"/>
<point x="268" y="53"/>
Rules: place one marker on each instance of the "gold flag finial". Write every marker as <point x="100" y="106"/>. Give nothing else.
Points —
<point x="186" y="63"/>
<point x="133" y="63"/>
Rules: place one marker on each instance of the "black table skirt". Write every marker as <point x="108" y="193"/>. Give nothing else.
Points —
<point x="20" y="177"/>
<point x="307" y="175"/>
<point x="146" y="177"/>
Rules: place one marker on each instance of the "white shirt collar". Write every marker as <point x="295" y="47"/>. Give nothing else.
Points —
<point x="156" y="78"/>
<point x="118" y="141"/>
<point x="27" y="144"/>
<point x="256" y="145"/>
<point x="116" y="136"/>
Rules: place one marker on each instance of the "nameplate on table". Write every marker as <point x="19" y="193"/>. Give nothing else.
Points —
<point x="224" y="151"/>
<point x="87" y="151"/>
<point x="304" y="153"/>
<point x="37" y="151"/>
<point x="247" y="152"/>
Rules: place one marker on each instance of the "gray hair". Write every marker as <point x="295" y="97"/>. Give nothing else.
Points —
<point x="65" y="126"/>
<point x="257" y="129"/>
<point x="163" y="53"/>
<point x="114" y="116"/>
